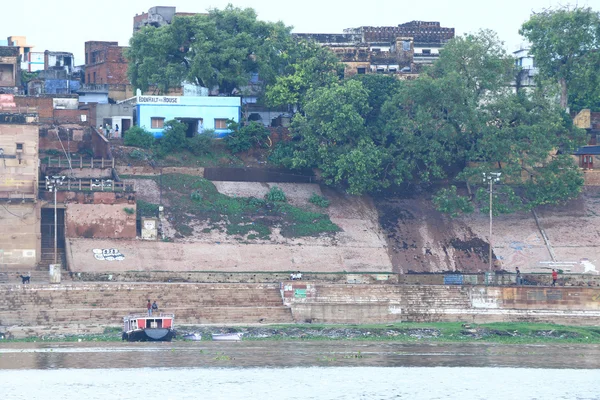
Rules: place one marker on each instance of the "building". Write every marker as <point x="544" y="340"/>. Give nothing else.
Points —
<point x="20" y="213"/>
<point x="105" y="63"/>
<point x="199" y="113"/>
<point x="527" y="69"/>
<point x="401" y="49"/>
<point x="157" y="17"/>
<point x="10" y="71"/>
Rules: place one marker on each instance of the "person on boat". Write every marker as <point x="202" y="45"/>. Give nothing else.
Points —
<point x="154" y="306"/>
<point x="149" y="306"/>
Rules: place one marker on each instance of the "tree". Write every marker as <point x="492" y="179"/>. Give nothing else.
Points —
<point x="566" y="45"/>
<point x="308" y="66"/>
<point x="461" y="119"/>
<point x="457" y="120"/>
<point x="220" y="49"/>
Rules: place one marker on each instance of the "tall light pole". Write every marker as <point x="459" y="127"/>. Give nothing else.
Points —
<point x="52" y="184"/>
<point x="491" y="177"/>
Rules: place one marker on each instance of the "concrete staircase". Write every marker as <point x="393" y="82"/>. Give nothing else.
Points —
<point x="107" y="304"/>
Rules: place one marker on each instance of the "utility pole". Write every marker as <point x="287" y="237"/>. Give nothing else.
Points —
<point x="491" y="177"/>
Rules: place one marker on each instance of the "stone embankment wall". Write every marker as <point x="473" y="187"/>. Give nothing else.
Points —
<point x="335" y="303"/>
<point x="42" y="309"/>
<point x="27" y="310"/>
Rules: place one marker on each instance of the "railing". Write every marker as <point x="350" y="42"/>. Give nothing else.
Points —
<point x="91" y="185"/>
<point x="62" y="162"/>
<point x="154" y="315"/>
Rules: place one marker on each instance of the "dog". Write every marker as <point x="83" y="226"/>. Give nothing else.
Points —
<point x="25" y="279"/>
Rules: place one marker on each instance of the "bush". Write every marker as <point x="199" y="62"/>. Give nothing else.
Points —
<point x="244" y="138"/>
<point x="137" y="154"/>
<point x="129" y="210"/>
<point x="201" y="144"/>
<point x="282" y="154"/>
<point x="319" y="200"/>
<point x="139" y="137"/>
<point x="276" y="195"/>
<point x="173" y="137"/>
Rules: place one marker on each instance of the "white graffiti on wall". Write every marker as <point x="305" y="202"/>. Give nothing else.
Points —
<point x="588" y="266"/>
<point x="483" y="299"/>
<point x="108" y="255"/>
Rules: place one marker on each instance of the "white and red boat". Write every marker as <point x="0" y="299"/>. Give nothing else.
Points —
<point x="149" y="328"/>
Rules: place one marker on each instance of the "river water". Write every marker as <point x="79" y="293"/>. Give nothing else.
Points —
<point x="297" y="370"/>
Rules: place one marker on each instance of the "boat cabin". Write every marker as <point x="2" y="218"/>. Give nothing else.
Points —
<point x="133" y="322"/>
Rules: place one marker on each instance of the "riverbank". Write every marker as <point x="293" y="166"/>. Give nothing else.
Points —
<point x="448" y="332"/>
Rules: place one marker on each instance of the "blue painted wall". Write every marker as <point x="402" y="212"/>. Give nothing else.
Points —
<point x="207" y="108"/>
<point x="59" y="86"/>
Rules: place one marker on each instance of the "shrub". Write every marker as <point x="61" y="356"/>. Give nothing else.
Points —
<point x="276" y="195"/>
<point x="242" y="139"/>
<point x="173" y="137"/>
<point x="137" y="154"/>
<point x="139" y="137"/>
<point x="282" y="154"/>
<point x="129" y="210"/>
<point x="201" y="143"/>
<point x="319" y="200"/>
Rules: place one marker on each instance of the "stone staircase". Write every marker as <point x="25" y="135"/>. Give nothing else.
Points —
<point x="107" y="304"/>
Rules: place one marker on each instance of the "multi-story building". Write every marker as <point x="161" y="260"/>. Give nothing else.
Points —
<point x="105" y="64"/>
<point x="527" y="69"/>
<point x="401" y="49"/>
<point x="157" y="17"/>
<point x="10" y="71"/>
<point x="20" y="236"/>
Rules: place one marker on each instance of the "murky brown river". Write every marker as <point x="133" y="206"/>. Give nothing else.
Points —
<point x="297" y="370"/>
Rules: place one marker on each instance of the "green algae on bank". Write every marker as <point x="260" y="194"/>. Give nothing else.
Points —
<point x="507" y="333"/>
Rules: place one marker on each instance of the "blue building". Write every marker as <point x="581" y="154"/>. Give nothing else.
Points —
<point x="199" y="113"/>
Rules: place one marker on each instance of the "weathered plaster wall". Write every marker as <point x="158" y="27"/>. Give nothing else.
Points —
<point x="20" y="235"/>
<point x="100" y="221"/>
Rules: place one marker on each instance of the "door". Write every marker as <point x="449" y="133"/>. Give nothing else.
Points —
<point x="125" y="125"/>
<point x="587" y="162"/>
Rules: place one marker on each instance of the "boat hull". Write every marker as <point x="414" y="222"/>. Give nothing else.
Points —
<point x="149" y="335"/>
<point x="226" y="337"/>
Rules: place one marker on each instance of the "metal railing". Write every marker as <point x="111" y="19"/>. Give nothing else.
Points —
<point x="91" y="185"/>
<point x="62" y="162"/>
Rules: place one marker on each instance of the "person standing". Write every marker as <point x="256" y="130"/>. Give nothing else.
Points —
<point x="518" y="280"/>
<point x="554" y="277"/>
<point x="154" y="307"/>
<point x="149" y="306"/>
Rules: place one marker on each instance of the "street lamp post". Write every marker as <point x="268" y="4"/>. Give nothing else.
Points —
<point x="491" y="177"/>
<point x="52" y="184"/>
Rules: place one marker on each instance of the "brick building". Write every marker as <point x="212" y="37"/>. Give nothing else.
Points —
<point x="105" y="64"/>
<point x="400" y="50"/>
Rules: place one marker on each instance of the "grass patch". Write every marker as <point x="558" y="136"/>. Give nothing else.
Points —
<point x="247" y="217"/>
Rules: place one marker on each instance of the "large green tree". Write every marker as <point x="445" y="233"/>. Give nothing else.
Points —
<point x="459" y="119"/>
<point x="223" y="49"/>
<point x="308" y="66"/>
<point x="566" y="45"/>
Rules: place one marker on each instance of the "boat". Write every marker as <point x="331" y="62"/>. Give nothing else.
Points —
<point x="227" y="337"/>
<point x="148" y="328"/>
<point x="196" y="337"/>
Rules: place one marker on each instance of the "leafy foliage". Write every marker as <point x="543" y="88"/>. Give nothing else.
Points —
<point x="201" y="143"/>
<point x="566" y="45"/>
<point x="138" y="137"/>
<point x="245" y="137"/>
<point x="450" y="202"/>
<point x="319" y="200"/>
<point x="220" y="49"/>
<point x="275" y="194"/>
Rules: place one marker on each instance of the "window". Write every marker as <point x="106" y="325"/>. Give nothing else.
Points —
<point x="361" y="71"/>
<point x="19" y="147"/>
<point x="157" y="122"/>
<point x="405" y="45"/>
<point x="427" y="51"/>
<point x="220" y="123"/>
